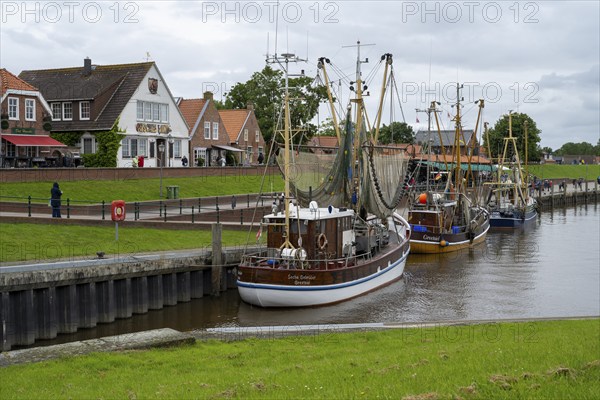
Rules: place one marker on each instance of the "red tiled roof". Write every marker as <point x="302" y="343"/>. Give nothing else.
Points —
<point x="11" y="81"/>
<point x="190" y="109"/>
<point x="234" y="121"/>
<point x="324" y="141"/>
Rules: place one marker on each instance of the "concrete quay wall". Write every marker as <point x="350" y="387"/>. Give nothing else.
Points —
<point x="41" y="301"/>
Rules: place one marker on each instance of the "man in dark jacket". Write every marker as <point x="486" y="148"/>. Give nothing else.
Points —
<point x="55" y="194"/>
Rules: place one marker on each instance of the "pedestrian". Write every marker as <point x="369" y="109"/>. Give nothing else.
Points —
<point x="184" y="161"/>
<point x="260" y="158"/>
<point x="223" y="161"/>
<point x="55" y="194"/>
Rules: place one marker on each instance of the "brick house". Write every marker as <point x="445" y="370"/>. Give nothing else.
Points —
<point x="209" y="140"/>
<point x="25" y="125"/>
<point x="244" y="133"/>
<point x="468" y="140"/>
<point x="90" y="99"/>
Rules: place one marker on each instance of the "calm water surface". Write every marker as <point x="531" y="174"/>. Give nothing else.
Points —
<point x="550" y="270"/>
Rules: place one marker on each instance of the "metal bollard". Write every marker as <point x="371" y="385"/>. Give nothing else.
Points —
<point x="29" y="206"/>
<point x="103" y="204"/>
<point x="192" y="214"/>
<point x="165" y="213"/>
<point x="68" y="208"/>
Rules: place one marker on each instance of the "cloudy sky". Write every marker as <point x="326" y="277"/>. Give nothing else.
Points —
<point x="537" y="57"/>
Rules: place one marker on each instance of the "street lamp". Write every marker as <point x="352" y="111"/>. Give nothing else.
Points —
<point x="161" y="150"/>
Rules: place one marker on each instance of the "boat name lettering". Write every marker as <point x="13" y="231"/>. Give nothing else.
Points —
<point x="426" y="237"/>
<point x="301" y="277"/>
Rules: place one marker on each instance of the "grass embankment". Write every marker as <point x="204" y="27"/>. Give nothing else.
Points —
<point x="33" y="242"/>
<point x="143" y="189"/>
<point x="549" y="360"/>
<point x="554" y="171"/>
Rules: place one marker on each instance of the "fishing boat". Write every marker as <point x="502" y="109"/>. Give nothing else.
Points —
<point x="508" y="201"/>
<point x="333" y="234"/>
<point x="449" y="219"/>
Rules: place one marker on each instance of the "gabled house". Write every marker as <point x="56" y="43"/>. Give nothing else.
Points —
<point x="92" y="98"/>
<point x="467" y="141"/>
<point x="209" y="140"/>
<point x="25" y="116"/>
<point x="244" y="133"/>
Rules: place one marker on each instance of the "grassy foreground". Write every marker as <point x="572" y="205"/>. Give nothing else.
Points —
<point x="546" y="360"/>
<point x="143" y="189"/>
<point x="33" y="242"/>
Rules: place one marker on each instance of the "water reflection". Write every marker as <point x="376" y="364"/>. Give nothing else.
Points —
<point x="550" y="269"/>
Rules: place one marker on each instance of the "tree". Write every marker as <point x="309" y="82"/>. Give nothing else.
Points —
<point x="265" y="90"/>
<point x="396" y="132"/>
<point x="579" y="149"/>
<point x="547" y="150"/>
<point x="497" y="134"/>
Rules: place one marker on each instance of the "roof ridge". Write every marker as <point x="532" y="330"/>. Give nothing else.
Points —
<point x="148" y="63"/>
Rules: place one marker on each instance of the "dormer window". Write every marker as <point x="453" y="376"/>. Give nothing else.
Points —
<point x="67" y="111"/>
<point x="29" y="110"/>
<point x="56" y="111"/>
<point x="13" y="108"/>
<point x="84" y="110"/>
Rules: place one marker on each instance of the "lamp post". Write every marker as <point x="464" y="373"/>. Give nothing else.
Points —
<point x="161" y="149"/>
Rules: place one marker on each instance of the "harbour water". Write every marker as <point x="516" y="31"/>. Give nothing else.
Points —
<point x="550" y="270"/>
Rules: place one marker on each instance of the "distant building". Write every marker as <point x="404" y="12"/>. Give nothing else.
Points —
<point x="244" y="133"/>
<point x="467" y="141"/>
<point x="92" y="98"/>
<point x="26" y="122"/>
<point x="209" y="140"/>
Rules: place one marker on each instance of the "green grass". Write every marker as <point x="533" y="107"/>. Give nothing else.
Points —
<point x="545" y="360"/>
<point x="33" y="242"/>
<point x="142" y="189"/>
<point x="553" y="171"/>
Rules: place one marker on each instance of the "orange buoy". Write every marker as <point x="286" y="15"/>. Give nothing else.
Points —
<point x="443" y="243"/>
<point x="423" y="198"/>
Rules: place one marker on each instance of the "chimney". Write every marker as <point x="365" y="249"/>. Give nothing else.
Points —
<point x="87" y="66"/>
<point x="250" y="105"/>
<point x="208" y="95"/>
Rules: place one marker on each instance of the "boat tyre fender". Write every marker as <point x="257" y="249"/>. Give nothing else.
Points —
<point x="322" y="241"/>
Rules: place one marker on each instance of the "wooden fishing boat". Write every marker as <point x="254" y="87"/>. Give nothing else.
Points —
<point x="448" y="220"/>
<point x="509" y="203"/>
<point x="351" y="243"/>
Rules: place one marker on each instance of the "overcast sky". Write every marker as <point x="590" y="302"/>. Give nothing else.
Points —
<point x="540" y="58"/>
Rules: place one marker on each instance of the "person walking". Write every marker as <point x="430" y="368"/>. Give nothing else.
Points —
<point x="184" y="161"/>
<point x="55" y="194"/>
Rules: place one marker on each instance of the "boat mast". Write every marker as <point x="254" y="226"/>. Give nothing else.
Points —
<point x="283" y="60"/>
<point x="457" y="135"/>
<point x="360" y="111"/>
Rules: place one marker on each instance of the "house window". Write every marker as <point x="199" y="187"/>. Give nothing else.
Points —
<point x="125" y="148"/>
<point x="207" y="130"/>
<point x="249" y="154"/>
<point x="177" y="149"/>
<point x="140" y="110"/>
<point x="88" y="145"/>
<point x="56" y="111"/>
<point x="257" y="136"/>
<point x="142" y="146"/>
<point x="200" y="156"/>
<point x="11" y="149"/>
<point x="13" y="108"/>
<point x="67" y="111"/>
<point x="147" y="111"/>
<point x="245" y="135"/>
<point x="152" y="112"/>
<point x="215" y="130"/>
<point x="155" y="112"/>
<point x="84" y="110"/>
<point x="164" y="113"/>
<point x="29" y="109"/>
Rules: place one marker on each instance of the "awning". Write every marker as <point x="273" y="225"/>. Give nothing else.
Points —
<point x="228" y="148"/>
<point x="464" y="167"/>
<point x="33" y="140"/>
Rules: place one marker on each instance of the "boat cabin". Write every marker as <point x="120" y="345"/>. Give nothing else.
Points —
<point x="323" y="233"/>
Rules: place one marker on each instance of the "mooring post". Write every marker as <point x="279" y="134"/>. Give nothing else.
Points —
<point x="217" y="259"/>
